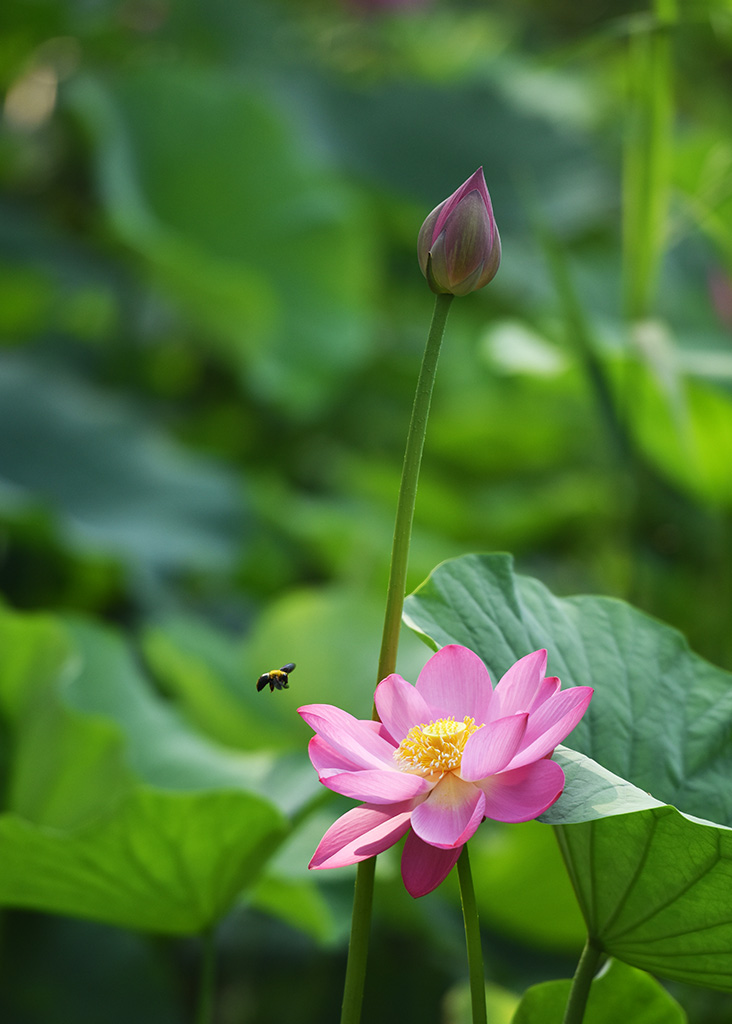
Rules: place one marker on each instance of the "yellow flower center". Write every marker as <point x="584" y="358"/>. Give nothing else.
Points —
<point x="435" y="748"/>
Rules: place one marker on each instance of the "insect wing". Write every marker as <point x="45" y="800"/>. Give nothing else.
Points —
<point x="276" y="677"/>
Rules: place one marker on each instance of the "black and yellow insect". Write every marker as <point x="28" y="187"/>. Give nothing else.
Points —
<point x="276" y="677"/>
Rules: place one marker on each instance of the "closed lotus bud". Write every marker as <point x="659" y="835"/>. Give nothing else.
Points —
<point x="459" y="247"/>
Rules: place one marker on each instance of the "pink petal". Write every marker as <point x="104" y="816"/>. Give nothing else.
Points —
<point x="424" y="867"/>
<point x="377" y="786"/>
<point x="519" y="686"/>
<point x="456" y="682"/>
<point x="490" y="749"/>
<point x="461" y="260"/>
<point x="356" y="740"/>
<point x="376" y="727"/>
<point x="325" y="759"/>
<point x="547" y="689"/>
<point x="475" y="182"/>
<point x="523" y="793"/>
<point x="361" y="833"/>
<point x="450" y="814"/>
<point x="552" y="723"/>
<point x="400" y="707"/>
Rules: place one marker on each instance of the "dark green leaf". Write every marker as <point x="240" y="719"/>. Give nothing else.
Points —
<point x="273" y="254"/>
<point x="110" y="482"/>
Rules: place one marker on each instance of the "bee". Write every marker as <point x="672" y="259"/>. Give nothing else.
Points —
<point x="276" y="677"/>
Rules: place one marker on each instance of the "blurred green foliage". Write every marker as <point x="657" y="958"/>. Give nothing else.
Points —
<point x="211" y="318"/>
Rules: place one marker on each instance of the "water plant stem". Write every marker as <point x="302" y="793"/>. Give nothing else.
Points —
<point x="358" y="945"/>
<point x="364" y="890"/>
<point x="204" y="1010"/>
<point x="647" y="158"/>
<point x="408" y="489"/>
<point x="579" y="993"/>
<point x="472" y="938"/>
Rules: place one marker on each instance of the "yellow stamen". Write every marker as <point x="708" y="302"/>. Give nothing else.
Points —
<point x="435" y="748"/>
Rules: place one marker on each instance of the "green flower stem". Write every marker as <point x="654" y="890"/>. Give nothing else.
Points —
<point x="472" y="938"/>
<point x="358" y="946"/>
<point x="204" y="1010"/>
<point x="408" y="489"/>
<point x="648" y="157"/>
<point x="364" y="890"/>
<point x="586" y="970"/>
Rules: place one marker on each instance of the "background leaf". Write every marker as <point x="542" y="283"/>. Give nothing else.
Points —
<point x="258" y="266"/>
<point x="116" y="811"/>
<point x="109" y="482"/>
<point x="159" y="861"/>
<point x="614" y="991"/>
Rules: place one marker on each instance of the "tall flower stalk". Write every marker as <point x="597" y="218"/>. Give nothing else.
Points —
<point x="459" y="251"/>
<point x="396" y="587"/>
<point x="408" y="489"/>
<point x="472" y="939"/>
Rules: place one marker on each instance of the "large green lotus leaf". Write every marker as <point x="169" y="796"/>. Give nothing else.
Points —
<point x="160" y="747"/>
<point x="209" y="676"/>
<point x="63" y="768"/>
<point x="234" y="211"/>
<point x="652" y="873"/>
<point x="116" y="810"/>
<point x="653" y="886"/>
<point x="110" y="481"/>
<point x="160" y="861"/>
<point x="617" y="993"/>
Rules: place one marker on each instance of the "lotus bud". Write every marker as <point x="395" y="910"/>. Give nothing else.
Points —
<point x="459" y="247"/>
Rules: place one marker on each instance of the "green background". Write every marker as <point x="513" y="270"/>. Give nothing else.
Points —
<point x="211" y="319"/>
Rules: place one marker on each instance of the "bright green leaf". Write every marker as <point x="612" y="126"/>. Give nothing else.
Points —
<point x="158" y="861"/>
<point x="653" y="881"/>
<point x="618" y="993"/>
<point x="500" y="1005"/>
<point x="683" y="425"/>
<point x="117" y="811"/>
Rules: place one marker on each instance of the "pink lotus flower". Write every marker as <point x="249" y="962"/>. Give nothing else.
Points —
<point x="447" y="753"/>
<point x="459" y="248"/>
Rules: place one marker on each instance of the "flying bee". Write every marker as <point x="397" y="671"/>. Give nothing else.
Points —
<point x="276" y="677"/>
